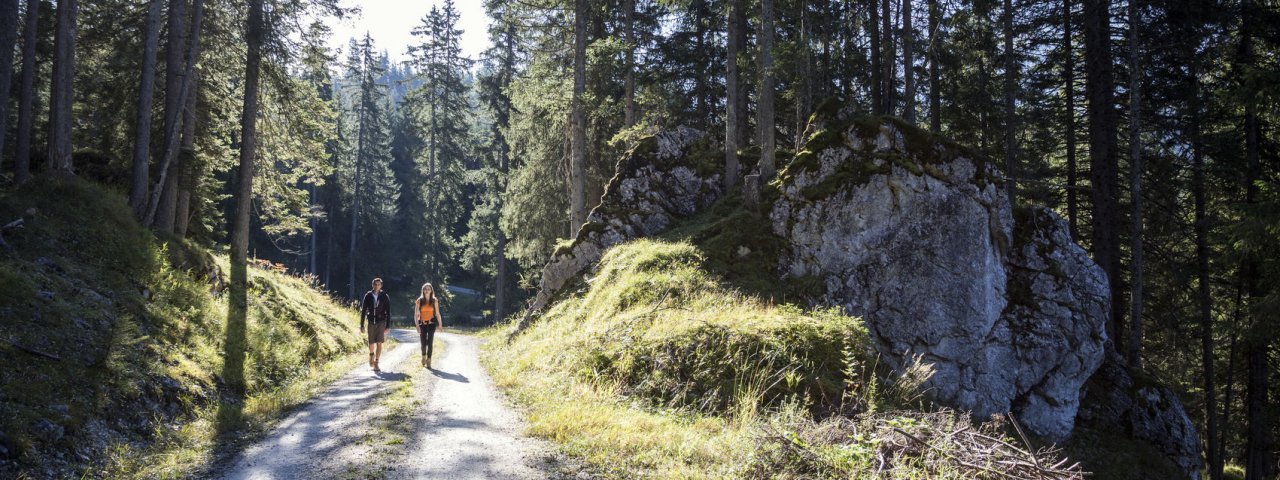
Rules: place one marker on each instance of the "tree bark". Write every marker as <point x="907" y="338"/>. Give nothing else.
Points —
<point x="8" y="38"/>
<point x="1219" y="456"/>
<point x="169" y="155"/>
<point x="630" y="112"/>
<point x="142" y="123"/>
<point x="1260" y="447"/>
<point x="26" y="98"/>
<point x="578" y="147"/>
<point x="888" y="57"/>
<point x="908" y="65"/>
<point x="935" y="95"/>
<point x="877" y="70"/>
<point x="187" y="174"/>
<point x="64" y="65"/>
<point x="1135" y="187"/>
<point x="248" y="138"/>
<point x="765" y="117"/>
<point x="733" y="88"/>
<point x="804" y="97"/>
<point x="1010" y="115"/>
<point x="1099" y="88"/>
<point x="1069" y="92"/>
<point x="173" y="103"/>
<point x="1203" y="298"/>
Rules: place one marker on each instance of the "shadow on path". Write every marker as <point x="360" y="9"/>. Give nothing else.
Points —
<point x="457" y="377"/>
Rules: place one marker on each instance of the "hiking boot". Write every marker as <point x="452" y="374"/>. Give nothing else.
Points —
<point x="428" y="362"/>
<point x="375" y="366"/>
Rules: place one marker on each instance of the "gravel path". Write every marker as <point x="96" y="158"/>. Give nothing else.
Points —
<point x="465" y="430"/>
<point x="457" y="425"/>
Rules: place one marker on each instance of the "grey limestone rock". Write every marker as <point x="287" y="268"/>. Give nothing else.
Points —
<point x="654" y="186"/>
<point x="921" y="243"/>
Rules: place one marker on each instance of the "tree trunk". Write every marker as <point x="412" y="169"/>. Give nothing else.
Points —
<point x="578" y="147"/>
<point x="248" y="137"/>
<point x="732" y="90"/>
<point x="64" y="65"/>
<point x="1010" y="115"/>
<point x="1135" y="188"/>
<point x="768" y="125"/>
<point x="188" y="176"/>
<point x="888" y="57"/>
<point x="935" y="96"/>
<point x="314" y="222"/>
<point x="1069" y="91"/>
<point x="26" y="98"/>
<point x="630" y="112"/>
<point x="804" y="97"/>
<point x="908" y="65"/>
<point x="1099" y="87"/>
<point x="1260" y="448"/>
<point x="173" y="103"/>
<point x="1203" y="298"/>
<point x="877" y="70"/>
<point x="8" y="38"/>
<point x="167" y="180"/>
<point x="142" y="124"/>
<point x="1220" y="452"/>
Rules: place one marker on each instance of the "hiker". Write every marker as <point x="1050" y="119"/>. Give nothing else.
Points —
<point x="426" y="316"/>
<point x="376" y="306"/>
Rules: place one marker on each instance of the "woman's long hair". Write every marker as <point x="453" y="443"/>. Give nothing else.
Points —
<point x="421" y="298"/>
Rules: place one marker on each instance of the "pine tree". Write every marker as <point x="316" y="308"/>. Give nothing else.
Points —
<point x="440" y="108"/>
<point x="371" y="192"/>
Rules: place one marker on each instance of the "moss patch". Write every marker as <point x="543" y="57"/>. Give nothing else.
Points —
<point x="923" y="152"/>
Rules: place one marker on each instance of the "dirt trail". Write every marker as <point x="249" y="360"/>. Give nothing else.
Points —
<point x="457" y="425"/>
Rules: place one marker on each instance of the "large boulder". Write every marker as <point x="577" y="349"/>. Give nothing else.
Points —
<point x="917" y="236"/>
<point x="657" y="182"/>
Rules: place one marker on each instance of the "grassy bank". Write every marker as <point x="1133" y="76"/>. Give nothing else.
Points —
<point x="672" y="360"/>
<point x="119" y="340"/>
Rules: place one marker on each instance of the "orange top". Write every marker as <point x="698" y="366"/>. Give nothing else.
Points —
<point x="426" y="311"/>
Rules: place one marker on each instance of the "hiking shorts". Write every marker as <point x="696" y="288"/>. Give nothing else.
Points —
<point x="377" y="332"/>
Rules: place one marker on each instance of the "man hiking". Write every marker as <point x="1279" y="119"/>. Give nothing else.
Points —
<point x="376" y="307"/>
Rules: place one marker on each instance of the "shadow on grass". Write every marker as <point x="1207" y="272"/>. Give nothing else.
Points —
<point x="231" y="408"/>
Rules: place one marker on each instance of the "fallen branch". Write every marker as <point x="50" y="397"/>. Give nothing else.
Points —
<point x="35" y="352"/>
<point x="14" y="225"/>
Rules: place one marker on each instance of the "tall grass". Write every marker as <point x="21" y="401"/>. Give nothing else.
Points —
<point x="655" y="368"/>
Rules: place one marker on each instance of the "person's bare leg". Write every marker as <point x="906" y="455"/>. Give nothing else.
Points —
<point x="370" y="355"/>
<point x="378" y="356"/>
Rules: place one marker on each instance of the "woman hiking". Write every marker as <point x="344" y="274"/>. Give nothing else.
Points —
<point x="426" y="316"/>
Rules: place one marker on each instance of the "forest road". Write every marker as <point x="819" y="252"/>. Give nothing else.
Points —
<point x="405" y="422"/>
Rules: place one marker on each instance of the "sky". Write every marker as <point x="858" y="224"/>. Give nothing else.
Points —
<point x="390" y="22"/>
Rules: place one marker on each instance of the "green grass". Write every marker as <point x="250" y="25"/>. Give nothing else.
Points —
<point x="140" y="326"/>
<point x="658" y="369"/>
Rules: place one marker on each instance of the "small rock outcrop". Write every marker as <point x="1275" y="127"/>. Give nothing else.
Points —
<point x="918" y="237"/>
<point x="1117" y="401"/>
<point x="654" y="186"/>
